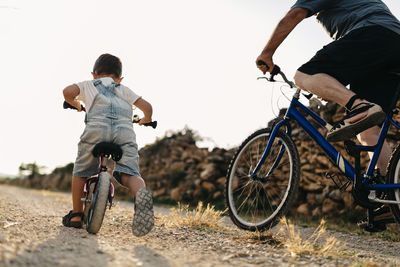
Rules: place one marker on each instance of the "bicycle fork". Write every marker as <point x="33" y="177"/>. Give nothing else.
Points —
<point x="86" y="189"/>
<point x="268" y="148"/>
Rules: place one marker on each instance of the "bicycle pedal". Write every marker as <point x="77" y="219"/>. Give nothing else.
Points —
<point x="84" y="200"/>
<point x="110" y="204"/>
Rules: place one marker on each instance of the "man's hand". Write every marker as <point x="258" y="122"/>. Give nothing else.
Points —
<point x="267" y="64"/>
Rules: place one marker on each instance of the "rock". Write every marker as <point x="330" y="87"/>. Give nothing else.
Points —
<point x="217" y="195"/>
<point x="316" y="212"/>
<point x="176" y="194"/>
<point x="330" y="207"/>
<point x="303" y="209"/>
<point x="208" y="172"/>
<point x="335" y="195"/>
<point x="209" y="187"/>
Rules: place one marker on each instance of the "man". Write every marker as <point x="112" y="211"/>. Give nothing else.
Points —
<point x="365" y="54"/>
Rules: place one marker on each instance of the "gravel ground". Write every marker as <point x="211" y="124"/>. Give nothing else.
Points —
<point x="31" y="234"/>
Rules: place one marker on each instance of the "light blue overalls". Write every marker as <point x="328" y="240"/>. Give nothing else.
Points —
<point x="108" y="120"/>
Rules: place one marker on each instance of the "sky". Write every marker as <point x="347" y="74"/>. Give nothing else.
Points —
<point x="193" y="60"/>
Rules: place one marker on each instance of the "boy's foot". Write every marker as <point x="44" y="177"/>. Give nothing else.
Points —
<point x="67" y="220"/>
<point x="351" y="125"/>
<point x="143" y="219"/>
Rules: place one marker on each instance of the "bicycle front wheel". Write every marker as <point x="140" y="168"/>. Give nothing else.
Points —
<point x="393" y="177"/>
<point x="258" y="203"/>
<point x="98" y="203"/>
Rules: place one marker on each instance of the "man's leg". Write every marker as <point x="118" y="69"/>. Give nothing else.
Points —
<point x="329" y="89"/>
<point x="370" y="137"/>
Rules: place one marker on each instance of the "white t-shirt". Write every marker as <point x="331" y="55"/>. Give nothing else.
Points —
<point x="88" y="92"/>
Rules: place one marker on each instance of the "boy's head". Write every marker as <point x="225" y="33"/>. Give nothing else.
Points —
<point x="107" y="65"/>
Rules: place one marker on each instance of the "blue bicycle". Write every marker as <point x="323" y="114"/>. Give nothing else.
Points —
<point x="263" y="176"/>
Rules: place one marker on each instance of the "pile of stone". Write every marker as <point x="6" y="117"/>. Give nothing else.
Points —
<point x="176" y="169"/>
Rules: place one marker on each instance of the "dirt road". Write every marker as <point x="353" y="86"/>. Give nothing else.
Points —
<point x="31" y="234"/>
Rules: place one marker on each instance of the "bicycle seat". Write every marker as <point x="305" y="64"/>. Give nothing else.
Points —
<point x="107" y="149"/>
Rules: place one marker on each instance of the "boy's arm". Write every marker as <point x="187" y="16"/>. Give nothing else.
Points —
<point x="70" y="93"/>
<point x="147" y="109"/>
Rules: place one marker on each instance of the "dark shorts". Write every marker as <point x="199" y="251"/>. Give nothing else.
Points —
<point x="366" y="59"/>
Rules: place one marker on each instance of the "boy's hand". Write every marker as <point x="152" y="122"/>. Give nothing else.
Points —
<point x="78" y="105"/>
<point x="144" y="120"/>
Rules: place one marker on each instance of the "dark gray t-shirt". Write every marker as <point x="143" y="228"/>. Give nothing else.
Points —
<point x="339" y="17"/>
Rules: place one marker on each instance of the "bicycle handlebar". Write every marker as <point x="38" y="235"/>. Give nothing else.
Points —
<point x="136" y="118"/>
<point x="276" y="70"/>
<point x="66" y="105"/>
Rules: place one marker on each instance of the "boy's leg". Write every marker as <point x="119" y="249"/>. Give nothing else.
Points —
<point x="143" y="219"/>
<point x="78" y="184"/>
<point x="134" y="183"/>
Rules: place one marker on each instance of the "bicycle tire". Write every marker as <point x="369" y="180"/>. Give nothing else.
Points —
<point x="260" y="217"/>
<point x="393" y="177"/>
<point x="98" y="203"/>
<point x="86" y="205"/>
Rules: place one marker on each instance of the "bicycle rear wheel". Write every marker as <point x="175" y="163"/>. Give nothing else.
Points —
<point x="393" y="177"/>
<point x="259" y="203"/>
<point x="98" y="203"/>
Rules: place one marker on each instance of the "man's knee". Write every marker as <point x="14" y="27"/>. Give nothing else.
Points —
<point x="300" y="79"/>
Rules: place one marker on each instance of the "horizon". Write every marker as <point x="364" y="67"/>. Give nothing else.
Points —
<point x="194" y="61"/>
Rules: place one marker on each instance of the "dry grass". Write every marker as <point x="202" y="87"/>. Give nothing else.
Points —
<point x="292" y="241"/>
<point x="200" y="218"/>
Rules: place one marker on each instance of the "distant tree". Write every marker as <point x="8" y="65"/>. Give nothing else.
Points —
<point x="30" y="169"/>
<point x="67" y="169"/>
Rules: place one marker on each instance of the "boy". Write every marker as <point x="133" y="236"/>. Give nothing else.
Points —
<point x="109" y="118"/>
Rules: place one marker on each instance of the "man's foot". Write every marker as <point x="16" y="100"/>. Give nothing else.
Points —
<point x="363" y="116"/>
<point x="382" y="216"/>
<point x="67" y="222"/>
<point x="143" y="219"/>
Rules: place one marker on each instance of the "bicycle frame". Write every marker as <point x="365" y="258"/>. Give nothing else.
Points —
<point x="335" y="156"/>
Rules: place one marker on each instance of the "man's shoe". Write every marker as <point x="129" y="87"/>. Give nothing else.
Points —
<point x="345" y="130"/>
<point x="382" y="216"/>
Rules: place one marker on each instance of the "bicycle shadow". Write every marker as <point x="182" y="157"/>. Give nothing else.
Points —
<point x="71" y="247"/>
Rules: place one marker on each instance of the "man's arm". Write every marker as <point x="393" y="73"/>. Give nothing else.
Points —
<point x="282" y="30"/>
<point x="70" y="93"/>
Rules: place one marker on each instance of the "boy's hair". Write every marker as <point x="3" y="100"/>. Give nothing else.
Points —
<point x="108" y="64"/>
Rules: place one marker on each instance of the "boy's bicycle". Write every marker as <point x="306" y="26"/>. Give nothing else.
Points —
<point x="98" y="189"/>
<point x="263" y="176"/>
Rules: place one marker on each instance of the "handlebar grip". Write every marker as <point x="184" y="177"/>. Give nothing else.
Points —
<point x="66" y="105"/>
<point x="152" y="124"/>
<point x="262" y="63"/>
<point x="136" y="119"/>
<point x="276" y="70"/>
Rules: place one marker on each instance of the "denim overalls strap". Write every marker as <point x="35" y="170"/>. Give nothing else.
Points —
<point x="107" y="104"/>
